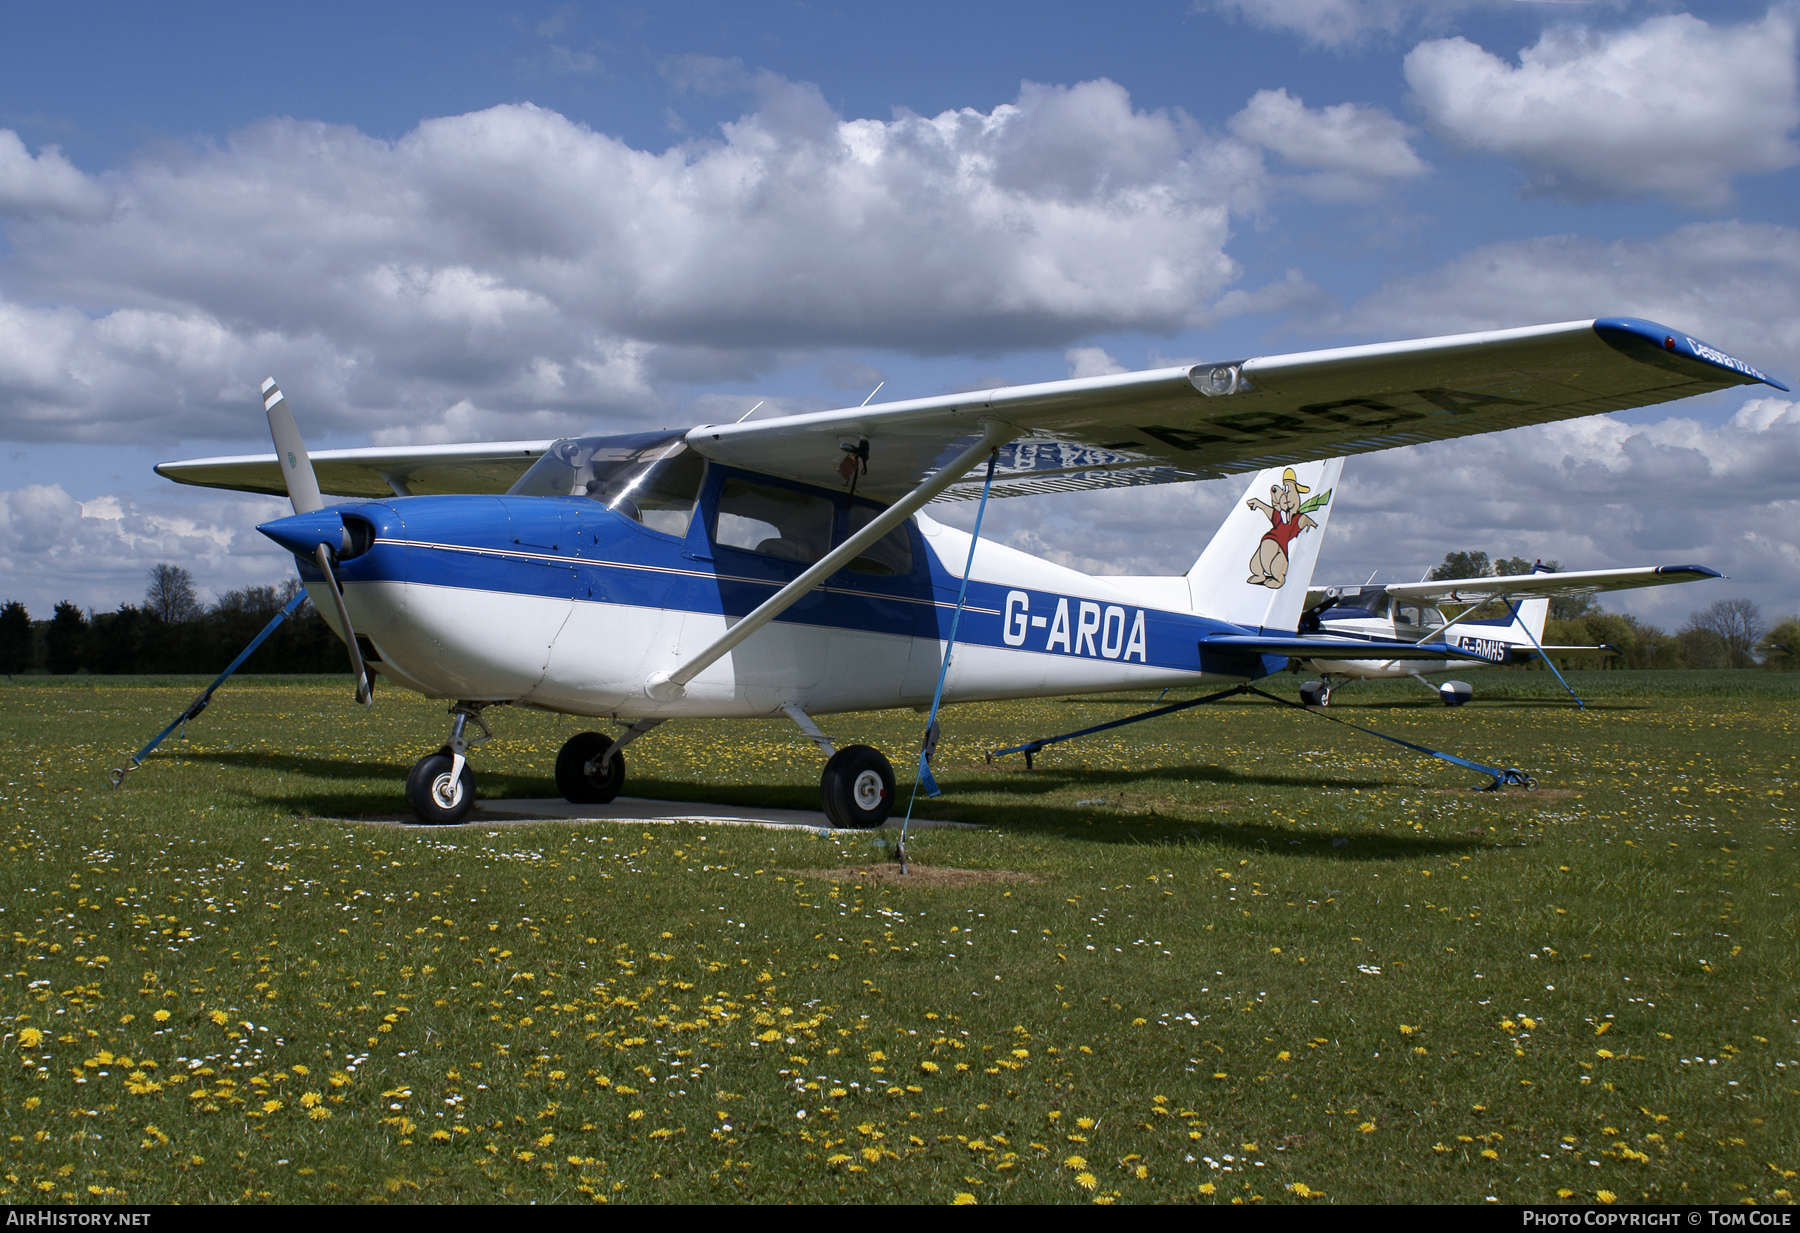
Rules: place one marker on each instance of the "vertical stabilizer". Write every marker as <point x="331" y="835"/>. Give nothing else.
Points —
<point x="1531" y="613"/>
<point x="1256" y="569"/>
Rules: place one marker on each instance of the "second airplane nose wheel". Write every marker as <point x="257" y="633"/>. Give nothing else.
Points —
<point x="857" y="788"/>
<point x="580" y="774"/>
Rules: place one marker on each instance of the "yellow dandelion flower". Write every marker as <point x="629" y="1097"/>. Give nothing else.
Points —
<point x="1207" y="1188"/>
<point x="440" y="1136"/>
<point x="271" y="1106"/>
<point x="30" y="1038"/>
<point x="1367" y="1128"/>
<point x="1087" y="1181"/>
<point x="930" y="1068"/>
<point x="1075" y="1162"/>
<point x="1306" y="1192"/>
<point x="1606" y="1196"/>
<point x="1488" y="1153"/>
<point x="963" y="1199"/>
<point x="636" y="1115"/>
<point x="219" y="1018"/>
<point x="161" y="1016"/>
<point x="1086" y="1123"/>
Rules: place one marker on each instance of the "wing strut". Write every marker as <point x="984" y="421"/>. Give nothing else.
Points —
<point x="670" y="685"/>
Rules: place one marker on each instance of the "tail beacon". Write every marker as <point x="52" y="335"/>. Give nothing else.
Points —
<point x="1256" y="570"/>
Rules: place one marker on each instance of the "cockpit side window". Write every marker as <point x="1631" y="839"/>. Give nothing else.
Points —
<point x="888" y="557"/>
<point x="776" y="522"/>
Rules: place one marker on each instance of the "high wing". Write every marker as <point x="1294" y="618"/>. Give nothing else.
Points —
<point x="1162" y="426"/>
<point x="1549" y="586"/>
<point x="1210" y="420"/>
<point x="417" y="471"/>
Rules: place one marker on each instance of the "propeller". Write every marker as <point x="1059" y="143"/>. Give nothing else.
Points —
<point x="314" y="532"/>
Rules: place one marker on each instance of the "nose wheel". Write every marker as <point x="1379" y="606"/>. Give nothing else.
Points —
<point x="440" y="792"/>
<point x="439" y="788"/>
<point x="857" y="788"/>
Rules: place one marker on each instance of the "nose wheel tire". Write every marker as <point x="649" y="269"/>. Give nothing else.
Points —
<point x="579" y="776"/>
<point x="437" y="799"/>
<point x="857" y="789"/>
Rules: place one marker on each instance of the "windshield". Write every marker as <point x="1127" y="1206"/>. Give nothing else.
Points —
<point x="653" y="479"/>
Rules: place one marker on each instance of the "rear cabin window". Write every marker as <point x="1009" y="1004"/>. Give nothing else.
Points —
<point x="776" y="522"/>
<point x="890" y="556"/>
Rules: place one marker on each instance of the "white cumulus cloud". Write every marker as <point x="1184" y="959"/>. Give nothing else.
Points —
<point x="1671" y="107"/>
<point x="97" y="553"/>
<point x="511" y="272"/>
<point x="1347" y="150"/>
<point x="47" y="183"/>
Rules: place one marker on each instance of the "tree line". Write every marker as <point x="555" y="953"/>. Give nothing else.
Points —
<point x="1728" y="633"/>
<point x="171" y="631"/>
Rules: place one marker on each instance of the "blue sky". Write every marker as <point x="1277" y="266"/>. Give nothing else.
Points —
<point x="455" y="222"/>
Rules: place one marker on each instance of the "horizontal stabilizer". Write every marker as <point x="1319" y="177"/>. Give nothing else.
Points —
<point x="1548" y="585"/>
<point x="1320" y="646"/>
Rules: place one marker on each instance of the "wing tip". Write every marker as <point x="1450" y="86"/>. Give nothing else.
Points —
<point x="1665" y="347"/>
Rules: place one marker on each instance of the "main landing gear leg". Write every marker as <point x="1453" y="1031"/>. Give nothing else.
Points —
<point x="440" y="789"/>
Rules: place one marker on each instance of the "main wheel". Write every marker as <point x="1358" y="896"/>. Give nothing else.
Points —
<point x="436" y="799"/>
<point x="1315" y="693"/>
<point x="578" y="774"/>
<point x="857" y="788"/>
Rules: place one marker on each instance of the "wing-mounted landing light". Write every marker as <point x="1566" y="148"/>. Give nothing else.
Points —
<point x="313" y="531"/>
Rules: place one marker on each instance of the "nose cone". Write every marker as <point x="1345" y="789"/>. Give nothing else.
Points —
<point x="303" y="533"/>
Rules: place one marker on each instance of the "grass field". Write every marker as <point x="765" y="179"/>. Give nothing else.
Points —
<point x="1250" y="956"/>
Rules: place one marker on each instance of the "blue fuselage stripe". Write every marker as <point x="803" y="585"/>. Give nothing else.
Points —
<point x="575" y="550"/>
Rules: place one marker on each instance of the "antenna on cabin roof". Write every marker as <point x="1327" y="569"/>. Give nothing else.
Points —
<point x="746" y="415"/>
<point x="873" y="392"/>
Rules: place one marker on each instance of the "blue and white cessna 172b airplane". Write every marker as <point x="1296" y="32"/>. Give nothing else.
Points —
<point x="785" y="566"/>
<point x="1412" y="612"/>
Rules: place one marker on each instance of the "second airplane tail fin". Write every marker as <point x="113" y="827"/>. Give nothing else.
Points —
<point x="1256" y="570"/>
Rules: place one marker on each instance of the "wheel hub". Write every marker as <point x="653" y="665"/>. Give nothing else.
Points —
<point x="867" y="790"/>
<point x="447" y="792"/>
